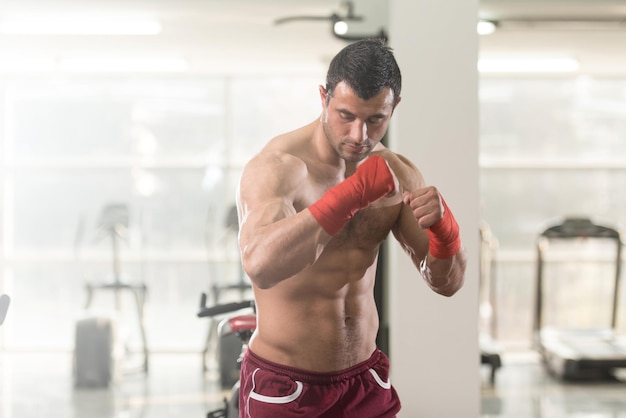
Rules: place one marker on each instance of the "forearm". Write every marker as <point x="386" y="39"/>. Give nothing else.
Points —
<point x="445" y="276"/>
<point x="279" y="250"/>
<point x="434" y="245"/>
<point x="444" y="266"/>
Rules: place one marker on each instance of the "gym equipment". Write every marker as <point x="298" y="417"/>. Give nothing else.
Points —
<point x="489" y="348"/>
<point x="224" y="348"/>
<point x="5" y="300"/>
<point x="239" y="326"/>
<point x="95" y="351"/>
<point x="579" y="353"/>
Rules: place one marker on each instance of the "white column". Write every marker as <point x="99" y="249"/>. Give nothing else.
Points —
<point x="433" y="339"/>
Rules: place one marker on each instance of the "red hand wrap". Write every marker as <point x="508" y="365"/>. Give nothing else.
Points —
<point x="371" y="181"/>
<point x="443" y="235"/>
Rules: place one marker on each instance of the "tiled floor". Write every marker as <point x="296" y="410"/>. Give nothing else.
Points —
<point x="38" y="385"/>
<point x="524" y="390"/>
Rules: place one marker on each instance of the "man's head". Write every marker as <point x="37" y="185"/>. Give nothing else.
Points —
<point x="367" y="67"/>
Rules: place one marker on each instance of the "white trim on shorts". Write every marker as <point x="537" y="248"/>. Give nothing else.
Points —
<point x="275" y="399"/>
<point x="384" y="385"/>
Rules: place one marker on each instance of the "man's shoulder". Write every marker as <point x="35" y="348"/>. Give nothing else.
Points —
<point x="277" y="158"/>
<point x="275" y="166"/>
<point x="285" y="151"/>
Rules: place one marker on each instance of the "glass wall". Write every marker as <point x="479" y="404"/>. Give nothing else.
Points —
<point x="170" y="151"/>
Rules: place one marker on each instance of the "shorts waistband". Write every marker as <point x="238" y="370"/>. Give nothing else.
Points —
<point x="312" y="377"/>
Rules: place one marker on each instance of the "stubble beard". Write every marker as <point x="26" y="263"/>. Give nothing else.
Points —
<point x="338" y="146"/>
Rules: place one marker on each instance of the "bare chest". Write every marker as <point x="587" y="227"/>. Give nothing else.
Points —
<point x="369" y="226"/>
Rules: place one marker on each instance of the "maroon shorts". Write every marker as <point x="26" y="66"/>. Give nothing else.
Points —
<point x="269" y="390"/>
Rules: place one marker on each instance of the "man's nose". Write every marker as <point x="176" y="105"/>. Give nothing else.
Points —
<point x="358" y="131"/>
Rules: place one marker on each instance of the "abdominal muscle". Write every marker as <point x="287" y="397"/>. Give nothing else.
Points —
<point x="325" y="318"/>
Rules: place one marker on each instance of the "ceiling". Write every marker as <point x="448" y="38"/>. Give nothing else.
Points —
<point x="591" y="31"/>
<point x="241" y="35"/>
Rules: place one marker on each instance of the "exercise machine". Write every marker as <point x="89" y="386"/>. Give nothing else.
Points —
<point x="96" y="347"/>
<point x="579" y="352"/>
<point x="240" y="326"/>
<point x="225" y="348"/>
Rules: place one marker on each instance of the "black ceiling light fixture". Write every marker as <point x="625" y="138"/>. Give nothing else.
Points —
<point x="339" y="23"/>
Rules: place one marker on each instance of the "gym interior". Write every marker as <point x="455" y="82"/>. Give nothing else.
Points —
<point x="124" y="127"/>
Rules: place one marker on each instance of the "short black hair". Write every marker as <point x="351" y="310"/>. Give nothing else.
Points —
<point x="367" y="66"/>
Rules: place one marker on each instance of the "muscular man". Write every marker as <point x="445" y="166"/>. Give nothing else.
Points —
<point x="315" y="204"/>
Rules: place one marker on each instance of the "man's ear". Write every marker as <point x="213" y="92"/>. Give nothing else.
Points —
<point x="396" y="105"/>
<point x="323" y="95"/>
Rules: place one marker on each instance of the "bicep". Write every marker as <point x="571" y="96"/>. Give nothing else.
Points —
<point x="265" y="194"/>
<point x="263" y="213"/>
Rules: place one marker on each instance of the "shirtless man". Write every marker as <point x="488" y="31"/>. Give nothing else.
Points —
<point x="314" y="205"/>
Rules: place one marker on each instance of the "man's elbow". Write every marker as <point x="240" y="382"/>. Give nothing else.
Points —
<point x="456" y="276"/>
<point x="451" y="288"/>
<point x="259" y="277"/>
<point x="257" y="270"/>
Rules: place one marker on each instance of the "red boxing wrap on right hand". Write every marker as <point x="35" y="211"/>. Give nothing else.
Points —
<point x="371" y="181"/>
<point x="443" y="235"/>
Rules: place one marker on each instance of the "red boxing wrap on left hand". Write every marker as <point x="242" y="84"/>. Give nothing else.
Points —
<point x="443" y="235"/>
<point x="371" y="181"/>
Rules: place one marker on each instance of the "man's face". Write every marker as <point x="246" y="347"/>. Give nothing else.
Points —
<point x="353" y="126"/>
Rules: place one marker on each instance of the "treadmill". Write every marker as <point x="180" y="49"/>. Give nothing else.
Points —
<point x="579" y="353"/>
